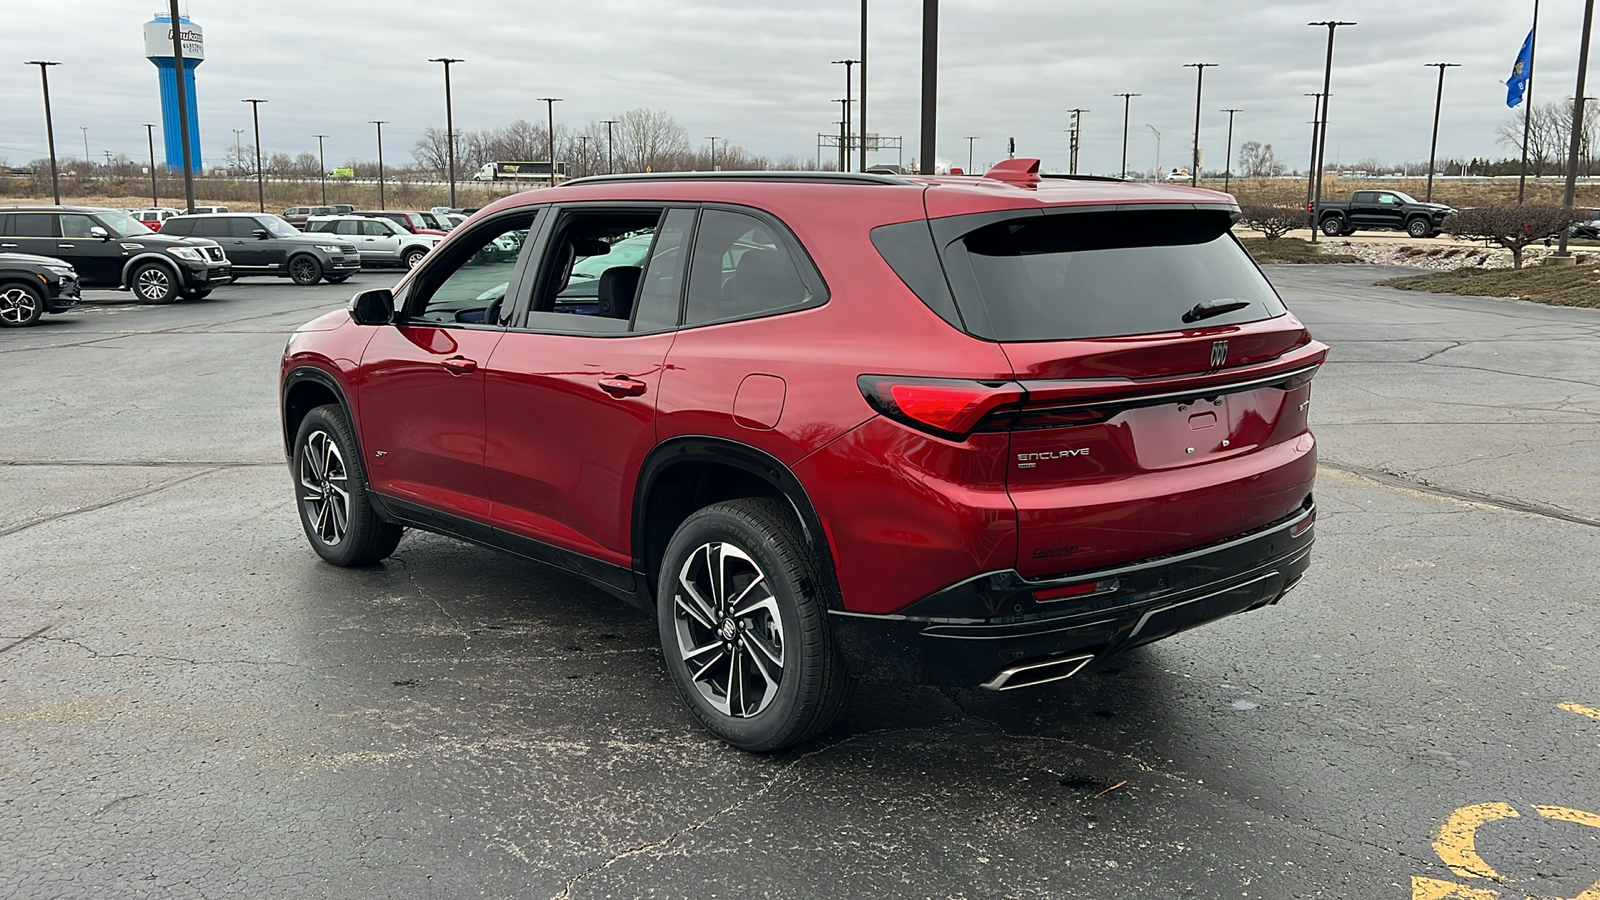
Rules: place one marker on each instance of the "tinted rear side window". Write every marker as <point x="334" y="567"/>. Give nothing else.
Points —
<point x="1065" y="276"/>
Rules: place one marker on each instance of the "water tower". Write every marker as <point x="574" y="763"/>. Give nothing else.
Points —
<point x="158" y="49"/>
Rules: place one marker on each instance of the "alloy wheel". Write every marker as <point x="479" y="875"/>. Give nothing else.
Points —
<point x="304" y="270"/>
<point x="729" y="629"/>
<point x="154" y="283"/>
<point x="325" y="488"/>
<point x="17" y="306"/>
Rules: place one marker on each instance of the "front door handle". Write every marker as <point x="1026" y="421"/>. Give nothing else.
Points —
<point x="622" y="386"/>
<point x="8" y="245"/>
<point x="460" y="365"/>
<point x="66" y="246"/>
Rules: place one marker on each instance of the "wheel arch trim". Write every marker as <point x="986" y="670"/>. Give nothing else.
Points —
<point x="300" y="375"/>
<point x="150" y="256"/>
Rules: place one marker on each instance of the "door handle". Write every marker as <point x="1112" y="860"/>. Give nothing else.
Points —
<point x="8" y="245"/>
<point x="66" y="246"/>
<point x="622" y="386"/>
<point x="460" y="365"/>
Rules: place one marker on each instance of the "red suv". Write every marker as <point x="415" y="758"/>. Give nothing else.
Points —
<point x="827" y="427"/>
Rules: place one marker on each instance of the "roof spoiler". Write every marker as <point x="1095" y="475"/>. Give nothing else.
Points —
<point x="1022" y="172"/>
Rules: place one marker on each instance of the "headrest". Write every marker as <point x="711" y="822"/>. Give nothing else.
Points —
<point x="767" y="278"/>
<point x="618" y="284"/>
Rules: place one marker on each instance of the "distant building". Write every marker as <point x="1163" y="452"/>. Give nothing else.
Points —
<point x="158" y="49"/>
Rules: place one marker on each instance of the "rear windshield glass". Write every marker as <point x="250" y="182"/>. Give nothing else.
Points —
<point x="1100" y="274"/>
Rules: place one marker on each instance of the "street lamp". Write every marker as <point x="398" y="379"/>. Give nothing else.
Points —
<point x="550" y="113"/>
<point x="1227" y="171"/>
<point x="238" y="148"/>
<point x="1322" y="138"/>
<point x="610" y="168"/>
<point x="86" y="159"/>
<point x="1577" y="129"/>
<point x="322" y="162"/>
<point x="449" y="123"/>
<point x="150" y="134"/>
<point x="183" y="107"/>
<point x="1438" y="102"/>
<point x="713" y="138"/>
<point x="1311" y="169"/>
<point x="1158" y="149"/>
<point x="1126" y="100"/>
<point x="261" y="187"/>
<point x="380" y="123"/>
<point x="969" y="139"/>
<point x="930" y="82"/>
<point x="844" y="148"/>
<point x="844" y="125"/>
<point x="49" y="125"/>
<point x="583" y="153"/>
<point x="1199" y="80"/>
<point x="1077" y="138"/>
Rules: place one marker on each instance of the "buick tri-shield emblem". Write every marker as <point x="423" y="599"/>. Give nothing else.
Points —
<point x="1219" y="354"/>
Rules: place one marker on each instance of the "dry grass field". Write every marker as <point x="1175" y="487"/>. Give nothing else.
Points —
<point x="1571" y="286"/>
<point x="1454" y="193"/>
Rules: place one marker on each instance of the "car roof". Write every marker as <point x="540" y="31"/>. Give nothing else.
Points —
<point x="222" y="215"/>
<point x="50" y="208"/>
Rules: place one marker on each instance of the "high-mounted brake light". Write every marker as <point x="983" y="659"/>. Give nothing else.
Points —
<point x="947" y="408"/>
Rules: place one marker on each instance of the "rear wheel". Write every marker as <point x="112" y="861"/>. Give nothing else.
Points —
<point x="337" y="516"/>
<point x="305" y="269"/>
<point x="154" y="283"/>
<point x="1332" y="226"/>
<point x="20" y="305"/>
<point x="743" y="632"/>
<point x="1419" y="228"/>
<point x="414" y="256"/>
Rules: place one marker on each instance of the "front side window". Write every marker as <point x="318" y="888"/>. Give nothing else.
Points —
<point x="274" y="226"/>
<point x="76" y="226"/>
<point x="121" y="224"/>
<point x="376" y="228"/>
<point x="467" y="284"/>
<point x="592" y="270"/>
<point x="740" y="269"/>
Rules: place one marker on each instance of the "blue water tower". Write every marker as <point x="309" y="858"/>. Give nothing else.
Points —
<point x="158" y="49"/>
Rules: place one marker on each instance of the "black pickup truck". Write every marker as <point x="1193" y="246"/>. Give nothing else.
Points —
<point x="1381" y="209"/>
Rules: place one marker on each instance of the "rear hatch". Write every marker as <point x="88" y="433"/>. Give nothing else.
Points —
<point x="1161" y="385"/>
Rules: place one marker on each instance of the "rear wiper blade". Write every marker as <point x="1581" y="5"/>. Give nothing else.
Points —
<point x="1208" y="308"/>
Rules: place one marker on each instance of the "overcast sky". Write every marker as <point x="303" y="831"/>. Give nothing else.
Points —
<point x="757" y="72"/>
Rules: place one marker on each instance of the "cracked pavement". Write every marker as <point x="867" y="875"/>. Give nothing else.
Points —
<point x="193" y="705"/>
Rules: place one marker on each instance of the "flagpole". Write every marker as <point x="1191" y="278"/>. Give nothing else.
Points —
<point x="1527" y="101"/>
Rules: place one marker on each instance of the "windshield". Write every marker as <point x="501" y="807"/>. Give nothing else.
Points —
<point x="430" y="220"/>
<point x="121" y="223"/>
<point x="278" y="227"/>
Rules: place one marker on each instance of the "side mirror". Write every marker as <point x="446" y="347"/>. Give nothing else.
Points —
<point x="101" y="233"/>
<point x="374" y="307"/>
<point x="260" y="234"/>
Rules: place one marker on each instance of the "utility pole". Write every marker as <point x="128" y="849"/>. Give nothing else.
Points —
<point x="583" y="142"/>
<point x="930" y="83"/>
<point x="1311" y="168"/>
<point x="1199" y="80"/>
<point x="150" y="134"/>
<point x="1577" y="128"/>
<point x="713" y="138"/>
<point x="1227" y="171"/>
<point x="322" y="162"/>
<point x="1077" y="138"/>
<point x="1158" y="149"/>
<point x="49" y="125"/>
<point x="550" y="114"/>
<point x="610" y="166"/>
<point x="1527" y="103"/>
<point x="1438" y="103"/>
<point x="86" y="160"/>
<point x="844" y="125"/>
<point x="449" y="123"/>
<point x="183" y="107"/>
<point x="380" y="124"/>
<point x="969" y="139"/>
<point x="863" y="85"/>
<point x="238" y="148"/>
<point x="844" y="155"/>
<point x="261" y="187"/>
<point x="1327" y="96"/>
<point x="1126" y="100"/>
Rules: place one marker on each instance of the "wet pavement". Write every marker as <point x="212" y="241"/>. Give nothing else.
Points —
<point x="193" y="705"/>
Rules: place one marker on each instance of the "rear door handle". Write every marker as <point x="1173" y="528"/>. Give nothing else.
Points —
<point x="622" y="386"/>
<point x="460" y="365"/>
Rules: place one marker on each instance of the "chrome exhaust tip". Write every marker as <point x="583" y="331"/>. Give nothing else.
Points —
<point x="1039" y="671"/>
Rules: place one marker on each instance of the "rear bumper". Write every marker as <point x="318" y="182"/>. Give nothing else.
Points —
<point x="994" y="631"/>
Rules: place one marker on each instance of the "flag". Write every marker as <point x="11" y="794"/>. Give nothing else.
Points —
<point x="1521" y="71"/>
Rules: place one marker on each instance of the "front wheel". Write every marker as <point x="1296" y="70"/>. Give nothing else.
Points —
<point x="1419" y="228"/>
<point x="305" y="270"/>
<point x="1332" y="226"/>
<point x="337" y="516"/>
<point x="154" y="283"/>
<point x="336" y="279"/>
<point x="413" y="257"/>
<point x="20" y="305"/>
<point x="743" y="632"/>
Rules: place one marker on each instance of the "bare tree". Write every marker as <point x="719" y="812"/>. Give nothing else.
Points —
<point x="431" y="152"/>
<point x="1272" y="221"/>
<point x="650" y="140"/>
<point x="1257" y="160"/>
<point x="1511" y="225"/>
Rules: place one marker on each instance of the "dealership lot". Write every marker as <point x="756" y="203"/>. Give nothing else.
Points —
<point x="191" y="704"/>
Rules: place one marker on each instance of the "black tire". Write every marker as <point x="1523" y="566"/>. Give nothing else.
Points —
<point x="21" y="305"/>
<point x="201" y="294"/>
<point x="336" y="279"/>
<point x="413" y="256"/>
<point x="305" y="269"/>
<point x="326" y="457"/>
<point x="1419" y="228"/>
<point x="812" y="684"/>
<point x="1332" y="226"/>
<point x="153" y="282"/>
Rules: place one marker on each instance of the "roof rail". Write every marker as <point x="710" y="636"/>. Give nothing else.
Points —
<point x="800" y="177"/>
<point x="1111" y="178"/>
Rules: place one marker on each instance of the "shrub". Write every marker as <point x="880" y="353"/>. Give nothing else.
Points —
<point x="1273" y="221"/>
<point x="1511" y="225"/>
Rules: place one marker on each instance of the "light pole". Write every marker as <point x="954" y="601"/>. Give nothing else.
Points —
<point x="1438" y="103"/>
<point x="930" y="83"/>
<point x="1199" y="80"/>
<point x="322" y="162"/>
<point x="1126" y="100"/>
<point x="1527" y="103"/>
<point x="1227" y="171"/>
<point x="150" y="135"/>
<point x="49" y="125"/>
<point x="1322" y="137"/>
<point x="583" y="154"/>
<point x="261" y="186"/>
<point x="844" y="124"/>
<point x="969" y="139"/>
<point x="449" y="124"/>
<point x="1158" y="149"/>
<point x="610" y="168"/>
<point x="844" y="150"/>
<point x="238" y="148"/>
<point x="380" y="123"/>
<point x="86" y="159"/>
<point x="1077" y="138"/>
<point x="183" y="107"/>
<point x="550" y="115"/>
<point x="713" y="139"/>
<point x="1311" y="168"/>
<point x="1577" y="127"/>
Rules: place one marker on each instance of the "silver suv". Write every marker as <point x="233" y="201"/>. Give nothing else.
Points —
<point x="379" y="241"/>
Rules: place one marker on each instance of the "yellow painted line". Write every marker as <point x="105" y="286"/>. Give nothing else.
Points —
<point x="1581" y="710"/>
<point x="1579" y="817"/>
<point x="1457" y="840"/>
<point x="1429" y="889"/>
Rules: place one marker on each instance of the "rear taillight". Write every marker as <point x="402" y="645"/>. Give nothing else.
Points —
<point x="944" y="407"/>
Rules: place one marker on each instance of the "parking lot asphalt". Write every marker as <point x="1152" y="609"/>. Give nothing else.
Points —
<point x="193" y="705"/>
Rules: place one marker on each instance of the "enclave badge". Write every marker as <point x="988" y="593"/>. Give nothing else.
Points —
<point x="1219" y="354"/>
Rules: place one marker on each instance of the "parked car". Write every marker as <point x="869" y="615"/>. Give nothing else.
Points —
<point x="1590" y="230"/>
<point x="297" y="215"/>
<point x="1381" y="209"/>
<point x="153" y="217"/>
<point x="341" y="209"/>
<point x="1177" y="175"/>
<point x="411" y="220"/>
<point x="111" y="249"/>
<point x="380" y="241"/>
<point x="208" y="209"/>
<point x="264" y="244"/>
<point x="31" y="286"/>
<point x="834" y="426"/>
